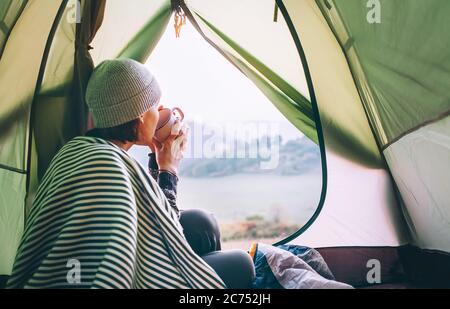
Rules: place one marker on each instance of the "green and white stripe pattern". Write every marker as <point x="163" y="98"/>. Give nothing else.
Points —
<point x="98" y="206"/>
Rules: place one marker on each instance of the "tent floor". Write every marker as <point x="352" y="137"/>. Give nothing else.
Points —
<point x="404" y="267"/>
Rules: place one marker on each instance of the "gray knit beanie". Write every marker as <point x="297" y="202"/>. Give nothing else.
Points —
<point x="119" y="91"/>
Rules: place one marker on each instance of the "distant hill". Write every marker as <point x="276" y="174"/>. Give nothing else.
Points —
<point x="296" y="157"/>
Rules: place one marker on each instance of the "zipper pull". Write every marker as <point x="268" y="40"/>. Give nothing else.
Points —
<point x="180" y="20"/>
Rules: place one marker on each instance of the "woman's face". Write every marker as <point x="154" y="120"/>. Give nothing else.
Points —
<point x="147" y="126"/>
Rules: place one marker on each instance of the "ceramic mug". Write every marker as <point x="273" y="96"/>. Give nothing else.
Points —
<point x="167" y="118"/>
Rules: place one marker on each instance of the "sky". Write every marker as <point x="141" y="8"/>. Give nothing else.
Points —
<point x="195" y="77"/>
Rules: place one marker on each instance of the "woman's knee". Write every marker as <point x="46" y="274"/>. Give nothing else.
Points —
<point x="235" y="267"/>
<point x="201" y="230"/>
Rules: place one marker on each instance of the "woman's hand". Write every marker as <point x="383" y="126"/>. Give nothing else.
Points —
<point x="170" y="153"/>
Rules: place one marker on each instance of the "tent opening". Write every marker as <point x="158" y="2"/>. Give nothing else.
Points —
<point x="246" y="163"/>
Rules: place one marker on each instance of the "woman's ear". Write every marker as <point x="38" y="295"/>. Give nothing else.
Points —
<point x="139" y="125"/>
<point x="140" y="122"/>
<point x="141" y="119"/>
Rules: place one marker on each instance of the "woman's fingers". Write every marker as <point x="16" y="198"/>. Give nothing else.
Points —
<point x="176" y="128"/>
<point x="177" y="141"/>
<point x="183" y="145"/>
<point x="183" y="136"/>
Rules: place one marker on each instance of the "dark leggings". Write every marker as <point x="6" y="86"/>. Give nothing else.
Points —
<point x="201" y="230"/>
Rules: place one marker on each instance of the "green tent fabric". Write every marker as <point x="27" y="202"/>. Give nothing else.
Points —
<point x="402" y="70"/>
<point x="59" y="109"/>
<point x="142" y="44"/>
<point x="30" y="33"/>
<point x="367" y="93"/>
<point x="401" y="65"/>
<point x="360" y="196"/>
<point x="10" y="11"/>
<point x="133" y="37"/>
<point x="406" y="106"/>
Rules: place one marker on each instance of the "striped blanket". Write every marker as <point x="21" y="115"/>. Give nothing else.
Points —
<point x="99" y="221"/>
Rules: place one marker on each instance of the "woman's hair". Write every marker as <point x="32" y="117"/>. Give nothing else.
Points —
<point x="127" y="132"/>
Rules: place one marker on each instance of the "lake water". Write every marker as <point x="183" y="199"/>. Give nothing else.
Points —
<point x="291" y="199"/>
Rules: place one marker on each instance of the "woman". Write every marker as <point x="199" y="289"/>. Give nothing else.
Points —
<point x="100" y="221"/>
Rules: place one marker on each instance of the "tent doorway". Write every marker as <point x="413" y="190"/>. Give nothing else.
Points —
<point x="246" y="163"/>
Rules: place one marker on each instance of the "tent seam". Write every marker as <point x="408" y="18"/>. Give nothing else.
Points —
<point x="416" y="128"/>
<point x="12" y="169"/>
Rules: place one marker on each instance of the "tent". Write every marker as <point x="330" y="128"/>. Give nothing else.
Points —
<point x="367" y="80"/>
